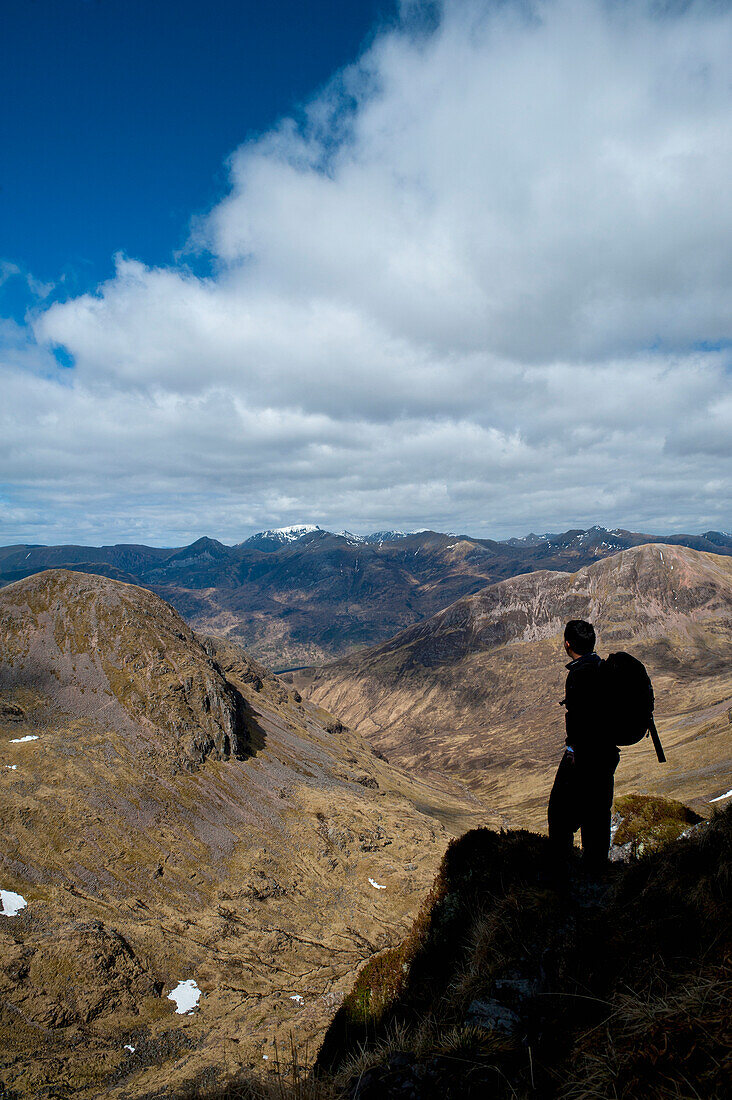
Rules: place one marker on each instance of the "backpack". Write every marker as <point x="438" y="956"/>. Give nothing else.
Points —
<point x="628" y="702"/>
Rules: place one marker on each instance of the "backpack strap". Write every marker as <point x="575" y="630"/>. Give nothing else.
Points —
<point x="657" y="742"/>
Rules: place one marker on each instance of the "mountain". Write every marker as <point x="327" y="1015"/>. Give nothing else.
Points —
<point x="302" y="595"/>
<point x="473" y="691"/>
<point x="385" y="536"/>
<point x="176" y="821"/>
<point x="269" y="541"/>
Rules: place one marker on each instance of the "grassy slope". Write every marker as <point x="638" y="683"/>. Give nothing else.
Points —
<point x="629" y="993"/>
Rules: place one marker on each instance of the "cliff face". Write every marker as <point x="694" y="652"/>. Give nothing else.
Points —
<point x="172" y="813"/>
<point x="474" y="690"/>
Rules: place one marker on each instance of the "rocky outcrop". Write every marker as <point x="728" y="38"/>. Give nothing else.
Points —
<point x="611" y="986"/>
<point x="97" y="638"/>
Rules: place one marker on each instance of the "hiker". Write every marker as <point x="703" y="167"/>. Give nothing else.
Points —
<point x="582" y="795"/>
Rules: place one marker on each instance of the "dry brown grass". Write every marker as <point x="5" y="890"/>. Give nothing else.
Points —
<point x="250" y="875"/>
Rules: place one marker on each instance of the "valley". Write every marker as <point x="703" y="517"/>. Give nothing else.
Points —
<point x="172" y="814"/>
<point x="180" y="822"/>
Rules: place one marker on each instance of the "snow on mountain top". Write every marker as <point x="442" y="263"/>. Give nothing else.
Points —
<point x="385" y="536"/>
<point x="287" y="534"/>
<point x="294" y="531"/>
<point x="527" y="540"/>
<point x="299" y="530"/>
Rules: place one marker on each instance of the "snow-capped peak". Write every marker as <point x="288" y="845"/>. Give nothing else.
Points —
<point x="286" y="534"/>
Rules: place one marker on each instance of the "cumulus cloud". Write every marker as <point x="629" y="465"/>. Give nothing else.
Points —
<point x="482" y="283"/>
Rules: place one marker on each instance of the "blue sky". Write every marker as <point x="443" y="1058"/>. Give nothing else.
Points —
<point x="119" y="115"/>
<point x="457" y="264"/>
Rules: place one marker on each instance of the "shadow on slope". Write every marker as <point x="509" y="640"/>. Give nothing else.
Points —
<point x="556" y="994"/>
<point x="505" y="989"/>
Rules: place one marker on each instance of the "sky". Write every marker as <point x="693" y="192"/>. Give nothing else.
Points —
<point x="462" y="265"/>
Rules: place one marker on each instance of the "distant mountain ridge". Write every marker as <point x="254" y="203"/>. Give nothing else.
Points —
<point x="300" y="595"/>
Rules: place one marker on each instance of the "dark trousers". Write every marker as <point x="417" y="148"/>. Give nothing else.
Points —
<point x="582" y="798"/>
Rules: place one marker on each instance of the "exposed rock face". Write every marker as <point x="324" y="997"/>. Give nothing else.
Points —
<point x="171" y="812"/>
<point x="643" y="824"/>
<point x="475" y="689"/>
<point x="303" y="595"/>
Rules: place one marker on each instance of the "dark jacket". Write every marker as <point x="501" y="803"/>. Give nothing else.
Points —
<point x="584" y="718"/>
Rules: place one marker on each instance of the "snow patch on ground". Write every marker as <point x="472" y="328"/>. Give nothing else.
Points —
<point x="721" y="796"/>
<point x="186" y="996"/>
<point x="20" y="740"/>
<point x="376" y="885"/>
<point x="12" y="903"/>
<point x="297" y="999"/>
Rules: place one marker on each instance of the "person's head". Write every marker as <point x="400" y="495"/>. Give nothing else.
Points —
<point x="579" y="637"/>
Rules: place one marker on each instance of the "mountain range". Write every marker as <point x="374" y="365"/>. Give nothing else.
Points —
<point x="301" y="595"/>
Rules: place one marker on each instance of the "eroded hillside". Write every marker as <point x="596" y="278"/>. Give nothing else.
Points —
<point x="474" y="691"/>
<point x="172" y="814"/>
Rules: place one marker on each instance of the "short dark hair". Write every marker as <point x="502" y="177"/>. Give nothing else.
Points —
<point x="580" y="635"/>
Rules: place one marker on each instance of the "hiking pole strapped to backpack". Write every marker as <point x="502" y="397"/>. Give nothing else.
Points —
<point x="657" y="743"/>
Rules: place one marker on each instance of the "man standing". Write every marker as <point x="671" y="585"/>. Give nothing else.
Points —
<point x="582" y="795"/>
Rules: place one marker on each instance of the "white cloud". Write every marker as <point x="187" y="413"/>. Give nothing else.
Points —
<point x="9" y="270"/>
<point x="464" y="290"/>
